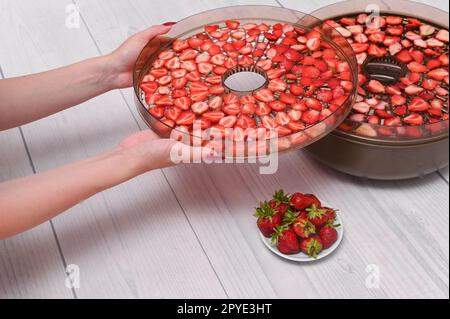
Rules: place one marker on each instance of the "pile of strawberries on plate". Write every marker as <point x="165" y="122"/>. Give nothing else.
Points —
<point x="297" y="223"/>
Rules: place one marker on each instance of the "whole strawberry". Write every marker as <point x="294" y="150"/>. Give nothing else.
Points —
<point x="317" y="216"/>
<point x="280" y="202"/>
<point x="330" y="214"/>
<point x="286" y="239"/>
<point x="268" y="219"/>
<point x="303" y="227"/>
<point x="328" y="235"/>
<point x="312" y="246"/>
<point x="313" y="200"/>
<point x="299" y="201"/>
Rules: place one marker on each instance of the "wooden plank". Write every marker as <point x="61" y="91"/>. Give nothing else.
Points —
<point x="130" y="241"/>
<point x="30" y="264"/>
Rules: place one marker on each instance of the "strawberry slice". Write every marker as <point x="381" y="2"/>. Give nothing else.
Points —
<point x="264" y="95"/>
<point x="213" y="116"/>
<point x="287" y="98"/>
<point x="375" y="86"/>
<point x="200" y="107"/>
<point x="157" y="112"/>
<point x="438" y="74"/>
<point x="417" y="67"/>
<point x="172" y="113"/>
<point x="180" y="45"/>
<point x="360" y="47"/>
<point x="413" y="119"/>
<point x="216" y="89"/>
<point x="413" y="89"/>
<point x="262" y="109"/>
<point x="277" y="85"/>
<point x="182" y="103"/>
<point x="149" y="87"/>
<point x="418" y="105"/>
<point x="398" y="100"/>
<point x="377" y="51"/>
<point x="215" y="103"/>
<point x="228" y="121"/>
<point x="314" y="44"/>
<point x="311" y="117"/>
<point x="205" y="67"/>
<point x="185" y="118"/>
<point x="199" y="96"/>
<point x="277" y="106"/>
<point x="179" y="83"/>
<point x="232" y="25"/>
<point x="198" y="86"/>
<point x="297" y="89"/>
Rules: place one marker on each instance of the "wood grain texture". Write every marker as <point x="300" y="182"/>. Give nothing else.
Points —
<point x="130" y="241"/>
<point x="30" y="264"/>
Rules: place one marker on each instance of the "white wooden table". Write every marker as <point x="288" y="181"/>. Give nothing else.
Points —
<point x="189" y="231"/>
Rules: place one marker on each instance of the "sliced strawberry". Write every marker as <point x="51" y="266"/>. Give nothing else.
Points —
<point x="375" y="86"/>
<point x="360" y="47"/>
<point x="228" y="121"/>
<point x="199" y="96"/>
<point x="442" y="35"/>
<point x="438" y="74"/>
<point x="213" y="116"/>
<point x="398" y="100"/>
<point x="198" y="86"/>
<point x="264" y="95"/>
<point x="313" y="44"/>
<point x="215" y="103"/>
<point x="172" y="113"/>
<point x="418" y="105"/>
<point x="193" y="76"/>
<point x="182" y="103"/>
<point x="157" y="73"/>
<point x="404" y="56"/>
<point x="232" y="25"/>
<point x="377" y="51"/>
<point x="414" y="119"/>
<point x="149" y="87"/>
<point x="179" y="83"/>
<point x="179" y="45"/>
<point x="262" y="109"/>
<point x="277" y="85"/>
<point x="277" y="106"/>
<point x="311" y="117"/>
<point x="394" y="20"/>
<point x="216" y="89"/>
<point x="157" y="112"/>
<point x="413" y="89"/>
<point x="297" y="89"/>
<point x="287" y="98"/>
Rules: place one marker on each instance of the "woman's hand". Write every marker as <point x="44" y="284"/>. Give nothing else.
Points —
<point x="122" y="60"/>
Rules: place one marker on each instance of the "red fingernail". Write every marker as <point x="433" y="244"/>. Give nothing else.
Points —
<point x="168" y="24"/>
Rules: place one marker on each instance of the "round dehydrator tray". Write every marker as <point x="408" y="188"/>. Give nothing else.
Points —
<point x="303" y="71"/>
<point x="392" y="134"/>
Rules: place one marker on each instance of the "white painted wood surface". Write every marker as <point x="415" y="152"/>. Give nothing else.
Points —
<point x="189" y="231"/>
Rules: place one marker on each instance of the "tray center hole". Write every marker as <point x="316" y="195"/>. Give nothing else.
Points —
<point x="244" y="80"/>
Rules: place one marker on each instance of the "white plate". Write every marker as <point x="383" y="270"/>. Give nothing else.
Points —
<point x="301" y="257"/>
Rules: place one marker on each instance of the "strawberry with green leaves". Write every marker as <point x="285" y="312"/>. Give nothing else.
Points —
<point x="317" y="216"/>
<point x="303" y="227"/>
<point x="286" y="240"/>
<point x="268" y="219"/>
<point x="280" y="202"/>
<point x="312" y="246"/>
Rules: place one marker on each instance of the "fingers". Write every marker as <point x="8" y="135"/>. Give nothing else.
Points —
<point x="155" y="30"/>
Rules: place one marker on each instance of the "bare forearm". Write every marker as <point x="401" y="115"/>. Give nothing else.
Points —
<point x="30" y="201"/>
<point x="28" y="98"/>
